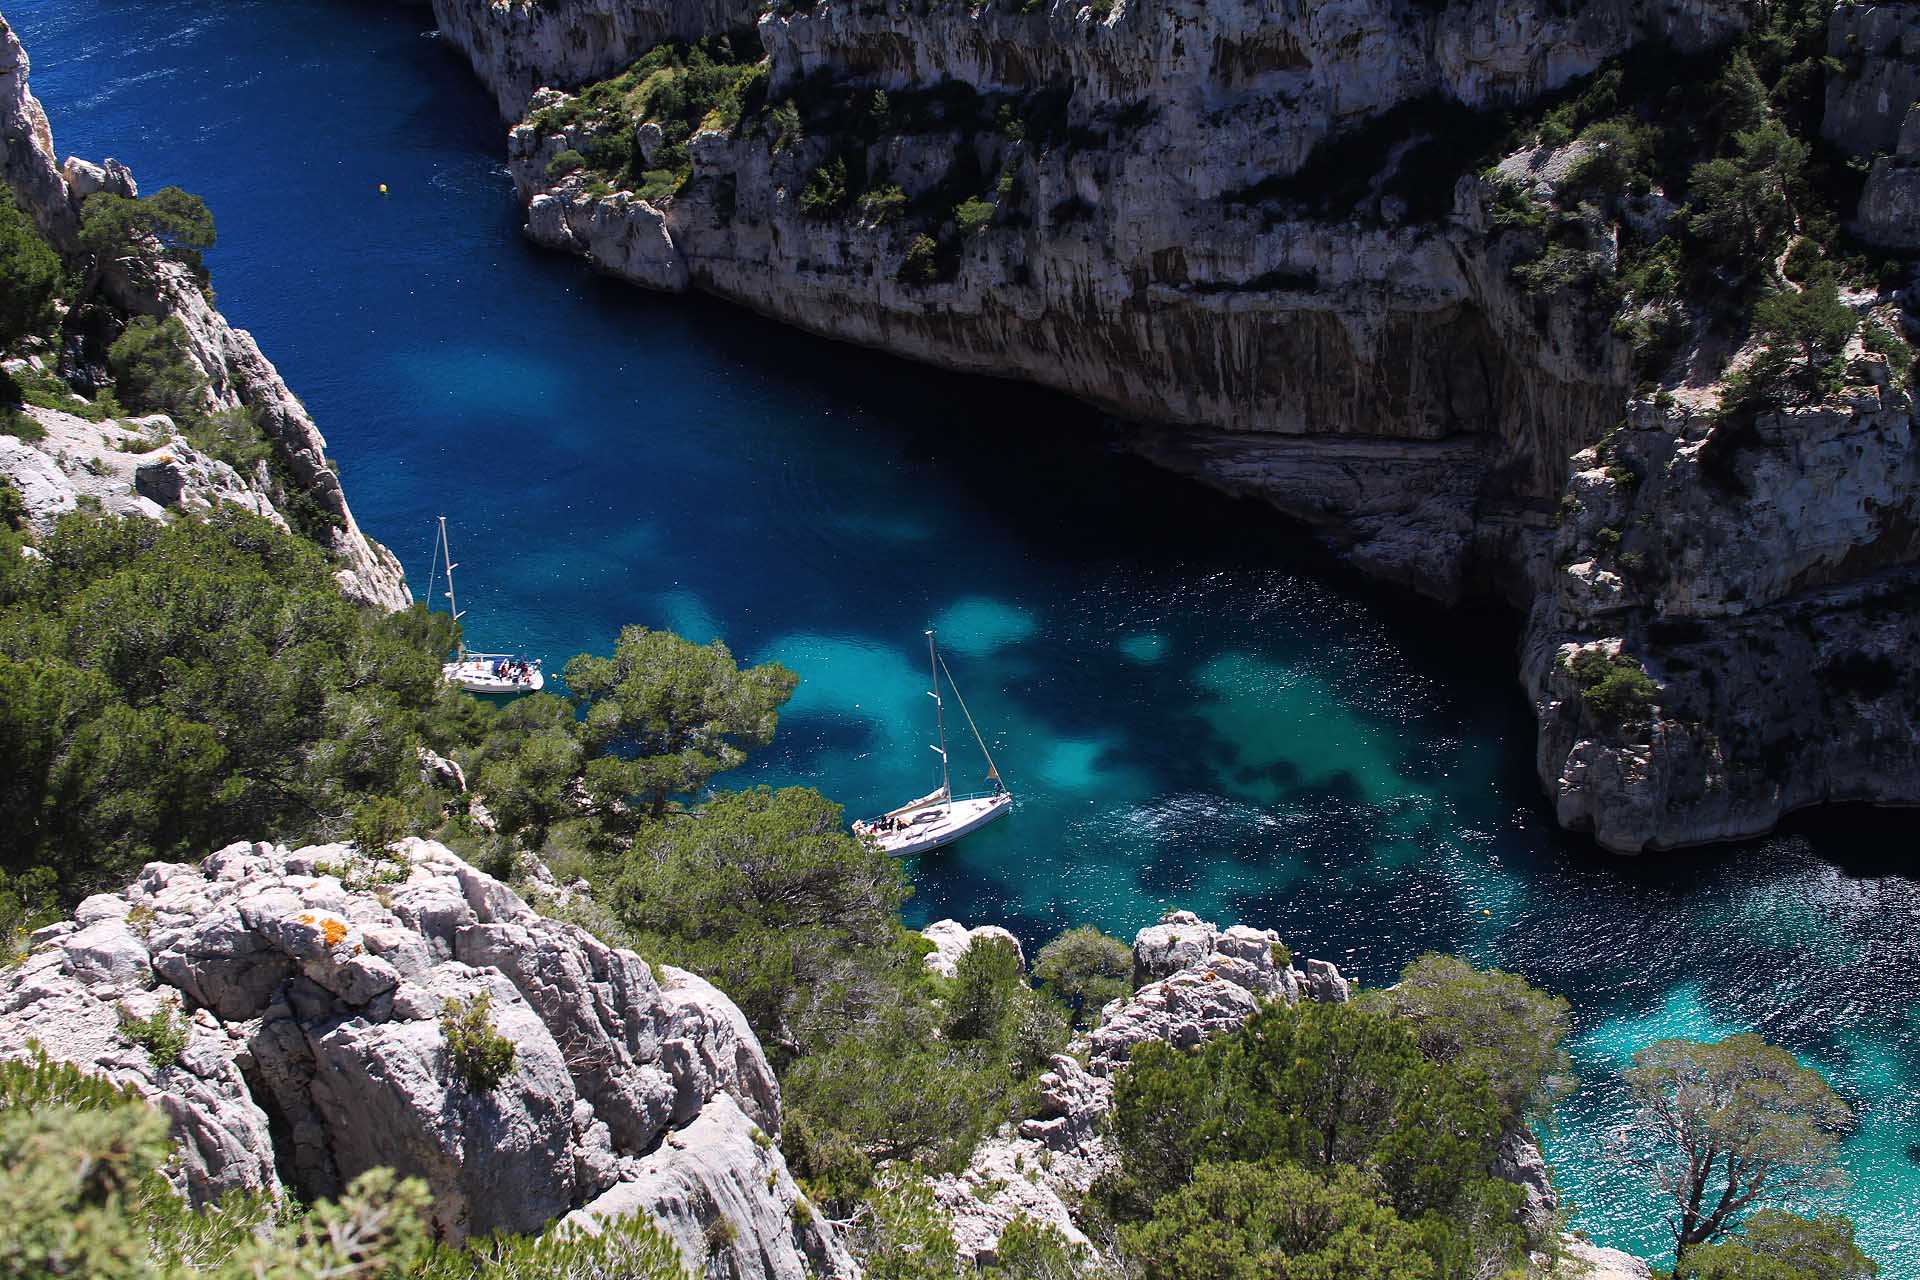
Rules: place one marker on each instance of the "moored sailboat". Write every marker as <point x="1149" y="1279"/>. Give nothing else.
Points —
<point x="481" y="672"/>
<point x="940" y="817"/>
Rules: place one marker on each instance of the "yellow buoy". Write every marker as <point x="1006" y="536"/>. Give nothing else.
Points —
<point x="1486" y="913"/>
<point x="383" y="188"/>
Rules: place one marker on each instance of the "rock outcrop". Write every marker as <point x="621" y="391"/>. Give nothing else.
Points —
<point x="951" y="940"/>
<point x="317" y="1049"/>
<point x="1196" y="981"/>
<point x="238" y="376"/>
<point x="1764" y="579"/>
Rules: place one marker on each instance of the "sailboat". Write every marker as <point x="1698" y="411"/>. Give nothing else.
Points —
<point x="481" y="672"/>
<point x="940" y="817"/>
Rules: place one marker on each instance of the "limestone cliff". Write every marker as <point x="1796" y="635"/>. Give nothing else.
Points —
<point x="1244" y="227"/>
<point x="313" y="984"/>
<point x="238" y="375"/>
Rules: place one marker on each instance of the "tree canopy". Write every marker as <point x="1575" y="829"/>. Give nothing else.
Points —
<point x="1728" y="1127"/>
<point x="663" y="716"/>
<point x="1777" y="1245"/>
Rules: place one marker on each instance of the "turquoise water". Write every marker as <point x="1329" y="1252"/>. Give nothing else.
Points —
<point x="1194" y="708"/>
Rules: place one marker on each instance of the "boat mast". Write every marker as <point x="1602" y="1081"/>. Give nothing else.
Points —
<point x="939" y="717"/>
<point x="446" y="554"/>
<point x="993" y="770"/>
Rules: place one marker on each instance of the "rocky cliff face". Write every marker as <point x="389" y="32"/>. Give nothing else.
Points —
<point x="238" y="375"/>
<point x="317" y="1050"/>
<point x="1243" y="226"/>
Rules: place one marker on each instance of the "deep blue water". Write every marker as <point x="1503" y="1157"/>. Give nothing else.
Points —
<point x="1193" y="707"/>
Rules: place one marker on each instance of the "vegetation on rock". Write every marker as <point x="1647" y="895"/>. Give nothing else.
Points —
<point x="83" y="1197"/>
<point x="481" y="1057"/>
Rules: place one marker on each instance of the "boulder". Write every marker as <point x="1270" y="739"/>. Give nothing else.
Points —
<point x="951" y="940"/>
<point x="317" y="1050"/>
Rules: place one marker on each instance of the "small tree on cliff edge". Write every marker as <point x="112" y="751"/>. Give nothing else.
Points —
<point x="1730" y="1126"/>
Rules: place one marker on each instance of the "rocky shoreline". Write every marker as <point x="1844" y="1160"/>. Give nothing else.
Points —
<point x="141" y="466"/>
<point x="1375" y="372"/>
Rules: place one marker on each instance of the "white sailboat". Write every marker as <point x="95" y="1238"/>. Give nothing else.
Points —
<point x="481" y="672"/>
<point x="940" y="817"/>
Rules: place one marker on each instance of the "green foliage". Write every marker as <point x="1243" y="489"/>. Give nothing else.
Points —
<point x="1244" y="1221"/>
<point x="1030" y="1250"/>
<point x="767" y="895"/>
<point x="1260" y="1148"/>
<point x="481" y="1057"/>
<point x="1086" y="968"/>
<point x="170" y="223"/>
<point x="167" y="688"/>
<point x="907" y="1236"/>
<point x="82" y="1198"/>
<point x="882" y="205"/>
<point x="1730" y="1126"/>
<point x="37" y="1082"/>
<point x="972" y="215"/>
<point x="785" y="127"/>
<point x="1777" y="1245"/>
<point x="1740" y="208"/>
<point x="922" y="263"/>
<point x="1879" y="339"/>
<point x="825" y="192"/>
<point x="1492" y="1024"/>
<point x="664" y="716"/>
<point x="154" y="370"/>
<point x="1613" y="687"/>
<point x="379" y="824"/>
<point x="30" y="274"/>
<point x="1812" y="322"/>
<point x="13" y="508"/>
<point x="162" y="1034"/>
<point x="681" y="88"/>
<point x="565" y="162"/>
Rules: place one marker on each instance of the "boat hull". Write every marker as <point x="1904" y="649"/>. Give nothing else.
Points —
<point x="478" y="677"/>
<point x="932" y="824"/>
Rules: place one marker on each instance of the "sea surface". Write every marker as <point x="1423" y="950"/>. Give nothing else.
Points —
<point x="1194" y="707"/>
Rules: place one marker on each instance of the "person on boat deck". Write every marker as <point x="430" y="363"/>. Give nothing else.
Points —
<point x="499" y="668"/>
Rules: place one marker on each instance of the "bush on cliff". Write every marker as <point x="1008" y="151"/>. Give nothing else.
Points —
<point x="154" y="370"/>
<point x="82" y="1197"/>
<point x="30" y="275"/>
<point x="1378" y="1122"/>
<point x="1086" y="968"/>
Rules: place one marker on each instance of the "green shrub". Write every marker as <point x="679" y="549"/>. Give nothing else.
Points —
<point x="171" y="222"/>
<point x="825" y="192"/>
<point x="163" y="1035"/>
<point x="1613" y="687"/>
<point x="378" y="825"/>
<point x="922" y="263"/>
<point x="565" y="162"/>
<point x="1881" y="340"/>
<point x="30" y="274"/>
<point x="154" y="370"/>
<point x="1086" y="968"/>
<point x="1802" y="260"/>
<point x="882" y="205"/>
<point x="972" y="215"/>
<point x="481" y="1056"/>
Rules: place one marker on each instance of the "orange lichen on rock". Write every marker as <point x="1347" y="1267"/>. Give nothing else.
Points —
<point x="333" y="931"/>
